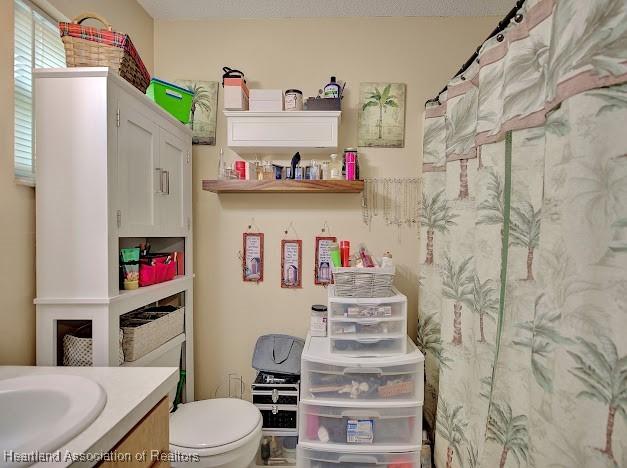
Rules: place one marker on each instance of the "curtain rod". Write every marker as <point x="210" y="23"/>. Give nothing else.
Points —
<point x="513" y="14"/>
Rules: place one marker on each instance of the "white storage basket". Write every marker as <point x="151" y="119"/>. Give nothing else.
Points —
<point x="363" y="282"/>
<point x="77" y="349"/>
<point x="147" y="335"/>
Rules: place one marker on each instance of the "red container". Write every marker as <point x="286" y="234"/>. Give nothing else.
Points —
<point x="155" y="270"/>
<point x="345" y="253"/>
<point x="240" y="168"/>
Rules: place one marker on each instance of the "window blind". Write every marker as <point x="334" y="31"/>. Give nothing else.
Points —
<point x="36" y="45"/>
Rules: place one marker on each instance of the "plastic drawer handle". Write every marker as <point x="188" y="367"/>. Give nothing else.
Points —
<point x="173" y="94"/>
<point x="369" y="340"/>
<point x="365" y="370"/>
<point x="368" y="322"/>
<point x="357" y="459"/>
<point x="360" y="414"/>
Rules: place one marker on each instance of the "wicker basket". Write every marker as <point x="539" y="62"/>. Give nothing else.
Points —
<point x="364" y="282"/>
<point x="77" y="348"/>
<point x="87" y="46"/>
<point x="145" y="331"/>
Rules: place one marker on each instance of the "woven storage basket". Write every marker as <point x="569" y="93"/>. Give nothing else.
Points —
<point x="146" y="331"/>
<point x="77" y="348"/>
<point x="364" y="282"/>
<point x="86" y="46"/>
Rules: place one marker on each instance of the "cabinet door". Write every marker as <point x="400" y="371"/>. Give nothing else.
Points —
<point x="138" y="173"/>
<point x="174" y="161"/>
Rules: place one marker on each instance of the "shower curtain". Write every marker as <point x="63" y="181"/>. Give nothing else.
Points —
<point x="523" y="288"/>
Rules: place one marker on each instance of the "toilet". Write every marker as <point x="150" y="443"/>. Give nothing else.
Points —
<point x="223" y="432"/>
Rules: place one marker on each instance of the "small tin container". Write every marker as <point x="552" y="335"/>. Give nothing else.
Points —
<point x="293" y="100"/>
<point x="318" y="323"/>
<point x="288" y="172"/>
<point x="299" y="173"/>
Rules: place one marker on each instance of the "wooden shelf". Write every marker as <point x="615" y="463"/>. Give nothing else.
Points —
<point x="283" y="186"/>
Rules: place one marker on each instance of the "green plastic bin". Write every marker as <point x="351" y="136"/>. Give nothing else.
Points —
<point x="174" y="99"/>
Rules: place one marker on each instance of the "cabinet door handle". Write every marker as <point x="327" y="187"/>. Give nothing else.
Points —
<point x="167" y="182"/>
<point x="160" y="172"/>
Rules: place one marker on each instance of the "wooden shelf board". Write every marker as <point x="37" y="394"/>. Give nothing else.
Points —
<point x="283" y="186"/>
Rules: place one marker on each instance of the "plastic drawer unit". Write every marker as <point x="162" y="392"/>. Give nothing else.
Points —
<point x="311" y="458"/>
<point x="367" y="326"/>
<point x="373" y="428"/>
<point x="326" y="376"/>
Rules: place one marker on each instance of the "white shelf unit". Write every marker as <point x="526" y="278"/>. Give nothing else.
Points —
<point x="283" y="132"/>
<point x="112" y="168"/>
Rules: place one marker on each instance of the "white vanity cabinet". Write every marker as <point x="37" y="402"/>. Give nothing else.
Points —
<point x="113" y="169"/>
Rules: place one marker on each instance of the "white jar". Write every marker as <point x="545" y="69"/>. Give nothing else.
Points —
<point x="293" y="100"/>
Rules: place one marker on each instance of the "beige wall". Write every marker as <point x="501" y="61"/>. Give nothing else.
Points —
<point x="17" y="202"/>
<point x="300" y="53"/>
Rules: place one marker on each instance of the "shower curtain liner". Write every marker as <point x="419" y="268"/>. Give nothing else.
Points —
<point x="523" y="288"/>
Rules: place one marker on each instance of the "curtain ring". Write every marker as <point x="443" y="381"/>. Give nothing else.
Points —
<point x="518" y="18"/>
<point x="500" y="38"/>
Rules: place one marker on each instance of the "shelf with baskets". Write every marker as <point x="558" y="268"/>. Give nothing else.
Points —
<point x="134" y="161"/>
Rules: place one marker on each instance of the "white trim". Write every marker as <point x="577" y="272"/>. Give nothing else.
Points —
<point x="46" y="8"/>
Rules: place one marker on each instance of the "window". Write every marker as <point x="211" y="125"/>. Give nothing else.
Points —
<point x="37" y="45"/>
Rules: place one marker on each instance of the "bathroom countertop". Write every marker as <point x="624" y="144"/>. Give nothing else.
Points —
<point x="131" y="393"/>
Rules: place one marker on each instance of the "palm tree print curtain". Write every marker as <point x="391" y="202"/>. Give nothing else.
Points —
<point x="523" y="290"/>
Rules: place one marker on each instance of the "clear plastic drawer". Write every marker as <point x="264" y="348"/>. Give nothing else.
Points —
<point x="311" y="458"/>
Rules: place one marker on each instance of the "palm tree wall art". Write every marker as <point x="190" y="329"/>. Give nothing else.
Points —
<point x="382" y="115"/>
<point x="203" y="112"/>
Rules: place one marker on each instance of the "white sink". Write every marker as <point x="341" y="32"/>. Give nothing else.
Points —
<point x="43" y="412"/>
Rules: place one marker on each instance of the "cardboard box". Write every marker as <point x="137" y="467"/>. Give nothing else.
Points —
<point x="266" y="100"/>
<point x="235" y="94"/>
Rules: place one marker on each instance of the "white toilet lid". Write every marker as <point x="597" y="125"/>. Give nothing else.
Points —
<point x="212" y="423"/>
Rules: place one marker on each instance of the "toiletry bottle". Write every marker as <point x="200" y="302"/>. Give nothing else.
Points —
<point x="332" y="90"/>
<point x="345" y="253"/>
<point x="336" y="168"/>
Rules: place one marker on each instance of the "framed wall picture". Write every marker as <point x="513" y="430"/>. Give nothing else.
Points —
<point x="381" y="115"/>
<point x="252" y="258"/>
<point x="204" y="110"/>
<point x="291" y="263"/>
<point x="322" y="265"/>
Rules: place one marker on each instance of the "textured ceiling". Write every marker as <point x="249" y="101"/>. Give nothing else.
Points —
<point x="199" y="9"/>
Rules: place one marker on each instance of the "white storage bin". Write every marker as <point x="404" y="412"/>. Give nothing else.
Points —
<point x="326" y="376"/>
<point x="311" y="458"/>
<point x="368" y="328"/>
<point x="354" y="308"/>
<point x="372" y="428"/>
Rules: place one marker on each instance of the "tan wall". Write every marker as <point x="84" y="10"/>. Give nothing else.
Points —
<point x="17" y="202"/>
<point x="300" y="53"/>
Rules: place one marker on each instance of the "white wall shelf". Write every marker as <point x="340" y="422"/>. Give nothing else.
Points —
<point x="283" y="132"/>
<point x="100" y="186"/>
